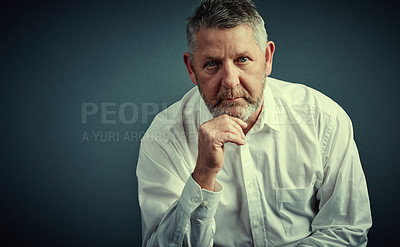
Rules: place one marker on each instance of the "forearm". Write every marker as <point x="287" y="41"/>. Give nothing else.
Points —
<point x="337" y="236"/>
<point x="189" y="221"/>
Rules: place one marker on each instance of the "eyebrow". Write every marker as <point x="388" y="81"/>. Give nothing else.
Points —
<point x="208" y="57"/>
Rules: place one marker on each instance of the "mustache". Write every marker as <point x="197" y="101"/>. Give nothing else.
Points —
<point x="231" y="94"/>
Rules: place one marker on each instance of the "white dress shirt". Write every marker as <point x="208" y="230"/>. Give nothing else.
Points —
<point x="297" y="181"/>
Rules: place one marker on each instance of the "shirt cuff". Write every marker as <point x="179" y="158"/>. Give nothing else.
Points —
<point x="200" y="203"/>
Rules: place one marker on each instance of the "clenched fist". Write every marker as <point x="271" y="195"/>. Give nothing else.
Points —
<point x="213" y="135"/>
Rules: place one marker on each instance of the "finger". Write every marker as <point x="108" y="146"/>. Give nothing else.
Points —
<point x="239" y="121"/>
<point x="236" y="126"/>
<point x="232" y="137"/>
<point x="227" y="123"/>
<point x="227" y="120"/>
<point x="230" y="134"/>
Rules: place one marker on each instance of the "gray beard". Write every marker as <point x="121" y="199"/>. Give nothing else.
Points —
<point x="244" y="112"/>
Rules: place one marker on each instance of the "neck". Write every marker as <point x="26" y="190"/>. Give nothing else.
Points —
<point x="253" y="119"/>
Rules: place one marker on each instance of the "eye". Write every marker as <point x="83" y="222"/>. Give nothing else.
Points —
<point x="211" y="64"/>
<point x="243" y="59"/>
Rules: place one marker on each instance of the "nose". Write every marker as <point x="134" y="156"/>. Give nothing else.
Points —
<point x="230" y="76"/>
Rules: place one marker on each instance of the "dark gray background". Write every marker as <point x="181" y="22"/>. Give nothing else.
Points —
<point x="59" y="190"/>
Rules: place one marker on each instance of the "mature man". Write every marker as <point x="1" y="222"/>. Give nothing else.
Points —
<point x="246" y="160"/>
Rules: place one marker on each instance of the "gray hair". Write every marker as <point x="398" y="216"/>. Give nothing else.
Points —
<point x="225" y="14"/>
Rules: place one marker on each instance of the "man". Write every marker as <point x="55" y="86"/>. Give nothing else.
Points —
<point x="246" y="160"/>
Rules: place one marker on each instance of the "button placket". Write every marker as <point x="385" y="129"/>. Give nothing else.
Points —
<point x="253" y="197"/>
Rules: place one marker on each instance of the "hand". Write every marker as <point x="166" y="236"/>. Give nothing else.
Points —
<point x="211" y="152"/>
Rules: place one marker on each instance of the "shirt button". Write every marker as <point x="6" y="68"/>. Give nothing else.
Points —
<point x="205" y="203"/>
<point x="251" y="185"/>
<point x="257" y="224"/>
<point x="194" y="199"/>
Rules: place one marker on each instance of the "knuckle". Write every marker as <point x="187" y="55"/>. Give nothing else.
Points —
<point x="225" y="117"/>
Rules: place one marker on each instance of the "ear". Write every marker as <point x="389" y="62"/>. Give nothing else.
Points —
<point x="189" y="67"/>
<point x="269" y="53"/>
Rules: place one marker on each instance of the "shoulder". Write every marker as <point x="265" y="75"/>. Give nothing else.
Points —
<point x="300" y="96"/>
<point x="171" y="121"/>
<point x="171" y="140"/>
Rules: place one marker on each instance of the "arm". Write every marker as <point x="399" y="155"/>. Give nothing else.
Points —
<point x="344" y="216"/>
<point x="176" y="210"/>
<point x="173" y="212"/>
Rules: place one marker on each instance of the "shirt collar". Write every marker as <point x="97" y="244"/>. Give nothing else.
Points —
<point x="269" y="111"/>
<point x="205" y="114"/>
<point x="267" y="116"/>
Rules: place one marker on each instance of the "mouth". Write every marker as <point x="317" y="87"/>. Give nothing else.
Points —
<point x="232" y="99"/>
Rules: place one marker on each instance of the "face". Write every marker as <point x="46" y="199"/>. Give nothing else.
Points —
<point x="230" y="70"/>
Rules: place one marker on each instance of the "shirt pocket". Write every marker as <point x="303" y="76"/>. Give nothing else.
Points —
<point x="297" y="208"/>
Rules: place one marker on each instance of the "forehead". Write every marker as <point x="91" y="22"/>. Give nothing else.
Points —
<point x="225" y="41"/>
